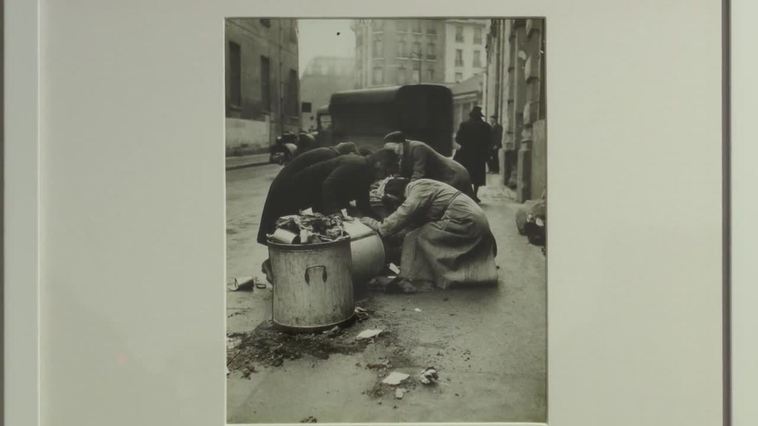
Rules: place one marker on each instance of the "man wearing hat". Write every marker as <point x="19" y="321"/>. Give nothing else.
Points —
<point x="420" y="161"/>
<point x="475" y="138"/>
<point x="497" y="142"/>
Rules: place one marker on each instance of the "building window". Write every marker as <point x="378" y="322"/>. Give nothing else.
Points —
<point x="402" y="75"/>
<point x="416" y="77"/>
<point x="459" y="33"/>
<point x="458" y="77"/>
<point x="431" y="27"/>
<point x="377" y="49"/>
<point x="402" y="49"/>
<point x="377" y="24"/>
<point x="477" y="58"/>
<point x="458" y="57"/>
<point x="416" y="25"/>
<point x="402" y="25"/>
<point x="430" y="74"/>
<point x="431" y="51"/>
<point x="266" y="83"/>
<point x="417" y="49"/>
<point x="292" y="85"/>
<point x="235" y="74"/>
<point x="378" y="76"/>
<point x="265" y="22"/>
<point x="478" y="35"/>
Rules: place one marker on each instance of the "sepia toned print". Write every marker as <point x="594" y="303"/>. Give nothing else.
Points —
<point x="386" y="220"/>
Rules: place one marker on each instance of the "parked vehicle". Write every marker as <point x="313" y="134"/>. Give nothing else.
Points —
<point x="423" y="112"/>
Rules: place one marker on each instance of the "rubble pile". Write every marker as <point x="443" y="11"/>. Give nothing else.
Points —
<point x="313" y="228"/>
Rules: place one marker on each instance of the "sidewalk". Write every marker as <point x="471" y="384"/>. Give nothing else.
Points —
<point x="247" y="161"/>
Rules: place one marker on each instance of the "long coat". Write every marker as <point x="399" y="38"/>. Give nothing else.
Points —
<point x="450" y="242"/>
<point x="420" y="161"/>
<point x="474" y="137"/>
<point x="284" y="197"/>
<point x="330" y="185"/>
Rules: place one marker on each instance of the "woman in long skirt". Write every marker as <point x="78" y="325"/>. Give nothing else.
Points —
<point x="450" y="242"/>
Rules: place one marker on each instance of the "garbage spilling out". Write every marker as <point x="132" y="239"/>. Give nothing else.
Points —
<point x="242" y="283"/>
<point x="395" y="378"/>
<point x="368" y="334"/>
<point x="429" y="376"/>
<point x="361" y="314"/>
<point x="309" y="229"/>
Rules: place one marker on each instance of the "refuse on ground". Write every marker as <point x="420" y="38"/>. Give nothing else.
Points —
<point x="429" y="376"/>
<point x="312" y="228"/>
<point x="399" y="393"/>
<point x="309" y="419"/>
<point x="395" y="378"/>
<point x="380" y="365"/>
<point x="361" y="314"/>
<point x="394" y="268"/>
<point x="241" y="284"/>
<point x="417" y="309"/>
<point x="369" y="333"/>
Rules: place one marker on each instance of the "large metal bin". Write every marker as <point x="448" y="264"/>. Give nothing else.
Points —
<point x="313" y="286"/>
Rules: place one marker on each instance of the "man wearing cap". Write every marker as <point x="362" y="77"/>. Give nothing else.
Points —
<point x="474" y="136"/>
<point x="497" y="142"/>
<point x="420" y="161"/>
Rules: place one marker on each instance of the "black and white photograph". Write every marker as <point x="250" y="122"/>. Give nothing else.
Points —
<point x="386" y="220"/>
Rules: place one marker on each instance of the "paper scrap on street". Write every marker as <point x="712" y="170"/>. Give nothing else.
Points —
<point x="395" y="378"/>
<point x="369" y="333"/>
<point x="399" y="393"/>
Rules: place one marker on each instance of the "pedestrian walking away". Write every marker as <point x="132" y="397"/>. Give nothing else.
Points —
<point x="497" y="143"/>
<point x="474" y="138"/>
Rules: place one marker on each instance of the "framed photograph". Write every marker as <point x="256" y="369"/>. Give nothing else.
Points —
<point x="318" y="212"/>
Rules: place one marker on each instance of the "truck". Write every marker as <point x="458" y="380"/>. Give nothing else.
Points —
<point x="424" y="112"/>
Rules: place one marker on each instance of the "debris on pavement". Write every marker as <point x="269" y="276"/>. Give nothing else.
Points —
<point x="361" y="314"/>
<point x="395" y="378"/>
<point x="232" y="342"/>
<point x="394" y="268"/>
<point x="369" y="333"/>
<point x="399" y="393"/>
<point x="429" y="376"/>
<point x="380" y="365"/>
<point x="332" y="331"/>
<point x="311" y="228"/>
<point x="309" y="419"/>
<point x="260" y="284"/>
<point x="417" y="309"/>
<point x="241" y="284"/>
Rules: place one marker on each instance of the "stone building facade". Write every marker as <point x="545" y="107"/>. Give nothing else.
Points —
<point x="465" y="44"/>
<point x="515" y="92"/>
<point x="262" y="82"/>
<point x="323" y="76"/>
<point x="390" y="52"/>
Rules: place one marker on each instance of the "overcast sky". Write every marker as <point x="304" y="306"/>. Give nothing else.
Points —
<point x="324" y="37"/>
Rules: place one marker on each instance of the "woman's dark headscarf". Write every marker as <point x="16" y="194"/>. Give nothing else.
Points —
<point x="395" y="187"/>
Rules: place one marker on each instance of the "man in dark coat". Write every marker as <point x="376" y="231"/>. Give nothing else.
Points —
<point x="419" y="161"/>
<point x="497" y="143"/>
<point x="474" y="136"/>
<point x="283" y="196"/>
<point x="329" y="186"/>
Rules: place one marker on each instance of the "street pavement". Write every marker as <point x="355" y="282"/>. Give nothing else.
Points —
<point x="488" y="344"/>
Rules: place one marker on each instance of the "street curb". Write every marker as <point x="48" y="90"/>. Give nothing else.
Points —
<point x="245" y="165"/>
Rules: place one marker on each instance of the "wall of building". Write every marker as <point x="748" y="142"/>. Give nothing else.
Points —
<point x="515" y="91"/>
<point x="396" y="61"/>
<point x="468" y="46"/>
<point x="247" y="135"/>
<point x="322" y="77"/>
<point x="275" y="39"/>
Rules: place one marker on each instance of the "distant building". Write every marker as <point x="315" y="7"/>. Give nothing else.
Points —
<point x="262" y="82"/>
<point x="323" y="76"/>
<point x="465" y="48"/>
<point x="466" y="95"/>
<point x="390" y="52"/>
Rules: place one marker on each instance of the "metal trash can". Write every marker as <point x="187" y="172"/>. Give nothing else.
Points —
<point x="367" y="250"/>
<point x="313" y="286"/>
